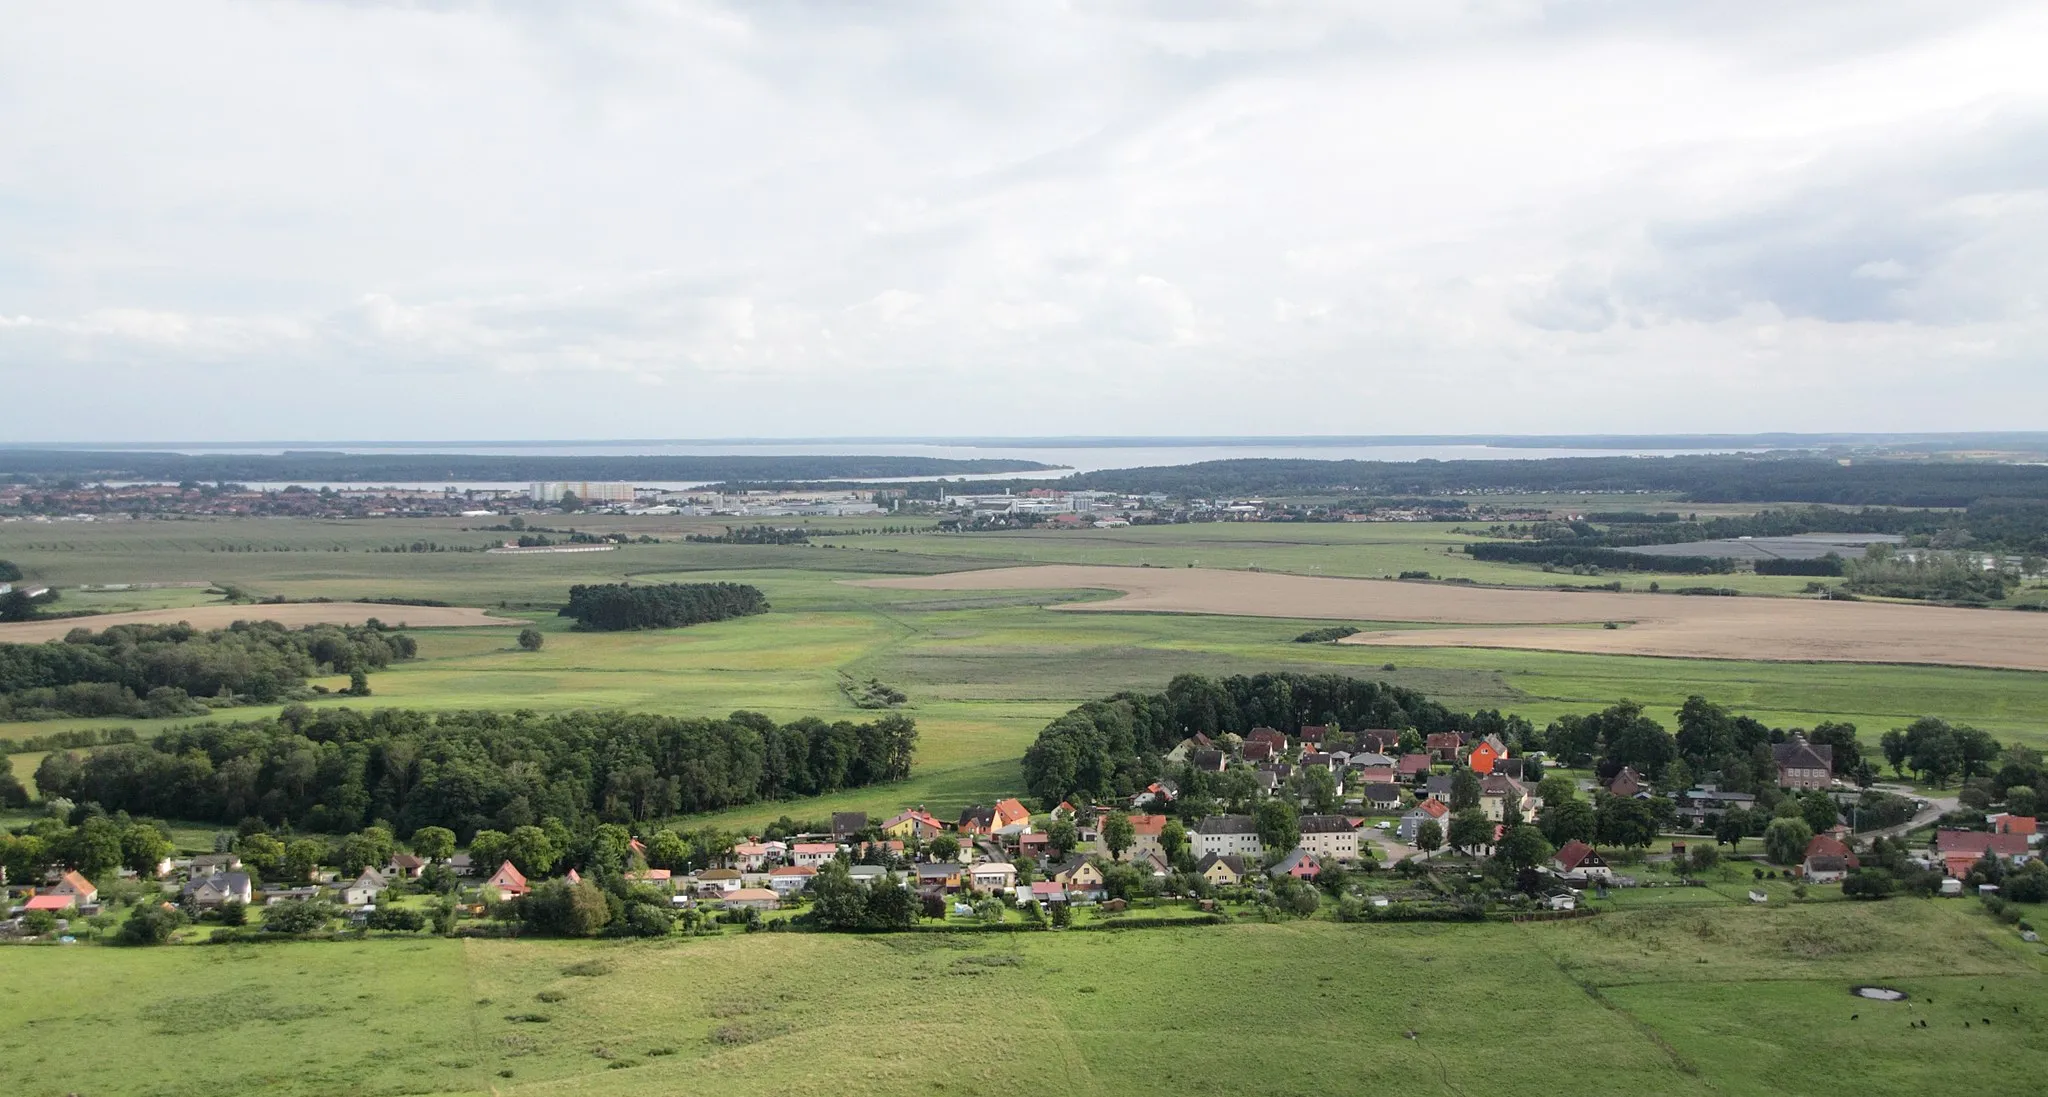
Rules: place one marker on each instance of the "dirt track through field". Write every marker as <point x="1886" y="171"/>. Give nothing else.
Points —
<point x="289" y="613"/>
<point x="1783" y="629"/>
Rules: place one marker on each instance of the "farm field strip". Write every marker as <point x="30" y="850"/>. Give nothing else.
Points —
<point x="292" y="614"/>
<point x="1663" y="625"/>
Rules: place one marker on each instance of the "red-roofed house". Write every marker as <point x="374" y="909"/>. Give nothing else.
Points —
<point x="77" y="886"/>
<point x="1576" y="858"/>
<point x="1145" y="832"/>
<point x="508" y="881"/>
<point x="1272" y="737"/>
<point x="1828" y="860"/>
<point x="1011" y="812"/>
<point x="1313" y="733"/>
<point x="1962" y="849"/>
<point x="915" y="823"/>
<point x="1414" y="765"/>
<point x="1443" y="745"/>
<point x="813" y="854"/>
<point x="790" y="879"/>
<point x="2014" y="824"/>
<point x="50" y="902"/>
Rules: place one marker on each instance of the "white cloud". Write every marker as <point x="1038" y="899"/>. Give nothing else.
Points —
<point x="438" y="220"/>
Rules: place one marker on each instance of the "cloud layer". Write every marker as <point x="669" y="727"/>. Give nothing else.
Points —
<point x="640" y="219"/>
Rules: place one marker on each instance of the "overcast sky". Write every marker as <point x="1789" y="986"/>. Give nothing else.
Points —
<point x="651" y="219"/>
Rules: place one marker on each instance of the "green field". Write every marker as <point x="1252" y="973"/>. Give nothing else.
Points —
<point x="1729" y="1000"/>
<point x="983" y="671"/>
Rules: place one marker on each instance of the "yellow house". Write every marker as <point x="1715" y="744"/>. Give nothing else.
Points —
<point x="915" y="823"/>
<point x="1222" y="870"/>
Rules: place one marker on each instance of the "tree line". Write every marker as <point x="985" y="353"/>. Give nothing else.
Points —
<point x="158" y="670"/>
<point x="339" y="770"/>
<point x="1576" y="555"/>
<point x="615" y="607"/>
<point x="754" y="535"/>
<point x="1720" y="478"/>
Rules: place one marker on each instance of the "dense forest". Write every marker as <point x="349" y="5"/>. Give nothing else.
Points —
<point x="615" y="607"/>
<point x="398" y="467"/>
<point x="158" y="670"/>
<point x="1723" y="478"/>
<point x="339" y="770"/>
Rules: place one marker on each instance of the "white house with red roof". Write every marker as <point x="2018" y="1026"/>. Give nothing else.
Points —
<point x="508" y="881"/>
<point x="813" y="854"/>
<point x="1576" y="858"/>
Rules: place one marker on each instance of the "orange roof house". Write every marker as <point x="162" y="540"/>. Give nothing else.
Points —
<point x="71" y="883"/>
<point x="508" y="880"/>
<point x="1011" y="812"/>
<point x="50" y="901"/>
<point x="2013" y="824"/>
<point x="1483" y="757"/>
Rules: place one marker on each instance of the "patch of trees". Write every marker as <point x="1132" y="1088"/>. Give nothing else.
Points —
<point x="20" y="605"/>
<point x="9" y="572"/>
<point x="157" y="670"/>
<point x="1946" y="576"/>
<point x="873" y="694"/>
<point x="396" y="467"/>
<point x="839" y="902"/>
<point x="753" y="535"/>
<point x="1593" y="556"/>
<point x="1938" y="752"/>
<point x="337" y="770"/>
<point x="1326" y="635"/>
<point x="1828" y="565"/>
<point x="614" y="607"/>
<point x="1112" y="747"/>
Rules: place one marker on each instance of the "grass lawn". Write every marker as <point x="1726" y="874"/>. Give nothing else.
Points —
<point x="1726" y="1000"/>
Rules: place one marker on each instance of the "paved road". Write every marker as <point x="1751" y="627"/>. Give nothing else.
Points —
<point x="1937" y="806"/>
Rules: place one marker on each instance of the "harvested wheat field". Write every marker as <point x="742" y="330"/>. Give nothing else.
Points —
<point x="289" y="613"/>
<point x="1788" y="629"/>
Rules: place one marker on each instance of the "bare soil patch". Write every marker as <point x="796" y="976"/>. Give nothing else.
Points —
<point x="294" y="614"/>
<point x="1781" y="629"/>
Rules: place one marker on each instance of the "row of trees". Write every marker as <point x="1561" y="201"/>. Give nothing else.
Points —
<point x="614" y="607"/>
<point x="156" y="670"/>
<point x="1572" y="555"/>
<point x="754" y="535"/>
<point x="338" y="770"/>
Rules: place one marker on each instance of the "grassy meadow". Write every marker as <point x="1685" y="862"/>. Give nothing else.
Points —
<point x="1729" y="1000"/>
